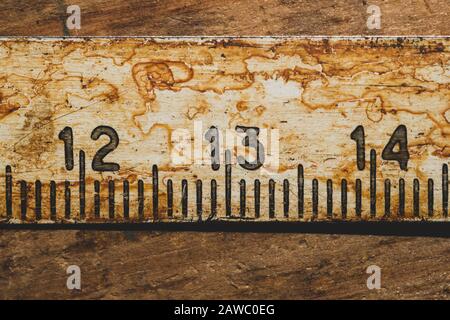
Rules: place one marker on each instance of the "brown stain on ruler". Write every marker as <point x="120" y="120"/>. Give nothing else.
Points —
<point x="315" y="91"/>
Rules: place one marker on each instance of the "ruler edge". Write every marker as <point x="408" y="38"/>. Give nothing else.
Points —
<point x="432" y="229"/>
<point x="208" y="38"/>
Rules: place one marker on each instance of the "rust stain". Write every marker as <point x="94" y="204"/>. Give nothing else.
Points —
<point x="314" y="91"/>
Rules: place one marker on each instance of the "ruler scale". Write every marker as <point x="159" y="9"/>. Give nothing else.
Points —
<point x="242" y="206"/>
<point x="224" y="129"/>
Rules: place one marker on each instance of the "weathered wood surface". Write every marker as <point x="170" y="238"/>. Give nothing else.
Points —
<point x="164" y="265"/>
<point x="312" y="92"/>
<point x="231" y="17"/>
<point x="263" y="266"/>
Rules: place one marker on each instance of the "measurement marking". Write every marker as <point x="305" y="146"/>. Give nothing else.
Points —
<point x="97" y="199"/>
<point x="23" y="199"/>
<point x="213" y="199"/>
<point x="155" y="187"/>
<point x="387" y="197"/>
<point x="37" y="200"/>
<point x="315" y="198"/>
<point x="286" y="198"/>
<point x="344" y="198"/>
<point x="271" y="198"/>
<point x="257" y="198"/>
<point x="445" y="190"/>
<point x="416" y="188"/>
<point x="184" y="198"/>
<point x="126" y="199"/>
<point x="170" y="198"/>
<point x="52" y="200"/>
<point x="82" y="186"/>
<point x="8" y="182"/>
<point x="358" y="136"/>
<point x="67" y="199"/>
<point x="329" y="198"/>
<point x="242" y="195"/>
<point x="199" y="195"/>
<point x="228" y="182"/>
<point x="358" y="209"/>
<point x="430" y="197"/>
<point x="111" y="200"/>
<point x="401" y="197"/>
<point x="300" y="190"/>
<point x="140" y="199"/>
<point x="373" y="183"/>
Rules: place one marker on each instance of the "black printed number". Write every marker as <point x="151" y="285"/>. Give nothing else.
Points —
<point x="399" y="137"/>
<point x="251" y="140"/>
<point x="97" y="163"/>
<point x="66" y="135"/>
<point x="358" y="136"/>
<point x="402" y="155"/>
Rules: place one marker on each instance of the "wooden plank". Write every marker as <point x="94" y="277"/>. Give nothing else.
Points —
<point x="224" y="18"/>
<point x="211" y="265"/>
<point x="312" y="93"/>
<point x="222" y="265"/>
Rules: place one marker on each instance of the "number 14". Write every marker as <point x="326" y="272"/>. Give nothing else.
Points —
<point x="398" y="137"/>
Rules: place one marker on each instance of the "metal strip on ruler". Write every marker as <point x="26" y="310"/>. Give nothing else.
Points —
<point x="229" y="129"/>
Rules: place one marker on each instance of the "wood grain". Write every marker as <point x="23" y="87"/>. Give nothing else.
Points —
<point x="232" y="17"/>
<point x="221" y="265"/>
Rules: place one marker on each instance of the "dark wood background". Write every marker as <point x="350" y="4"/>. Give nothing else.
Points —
<point x="169" y="265"/>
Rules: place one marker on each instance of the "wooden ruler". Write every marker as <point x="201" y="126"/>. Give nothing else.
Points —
<point x="203" y="129"/>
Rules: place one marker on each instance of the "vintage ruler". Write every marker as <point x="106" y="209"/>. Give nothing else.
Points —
<point x="203" y="129"/>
